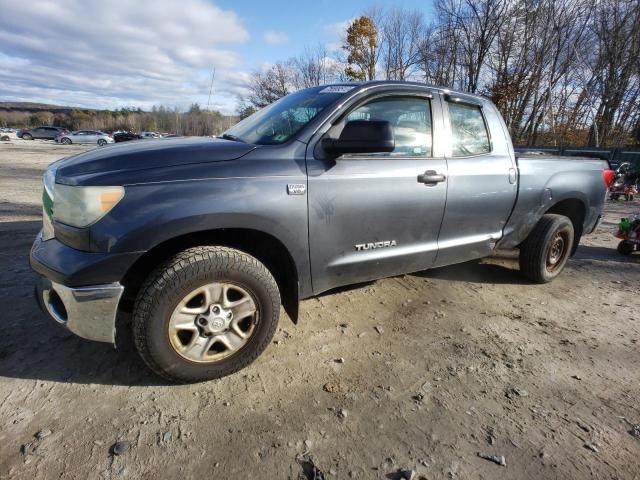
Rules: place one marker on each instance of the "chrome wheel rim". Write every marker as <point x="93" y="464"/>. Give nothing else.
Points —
<point x="213" y="322"/>
<point x="557" y="251"/>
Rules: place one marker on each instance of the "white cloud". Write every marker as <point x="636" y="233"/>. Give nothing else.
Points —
<point x="114" y="53"/>
<point x="334" y="46"/>
<point x="275" y="38"/>
<point x="338" y="30"/>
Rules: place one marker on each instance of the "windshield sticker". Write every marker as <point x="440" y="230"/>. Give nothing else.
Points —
<point x="336" y="89"/>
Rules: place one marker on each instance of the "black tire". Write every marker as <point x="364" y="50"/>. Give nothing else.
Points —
<point x="172" y="281"/>
<point x="626" y="248"/>
<point x="66" y="141"/>
<point x="102" y="142"/>
<point x="544" y="254"/>
<point x="27" y="136"/>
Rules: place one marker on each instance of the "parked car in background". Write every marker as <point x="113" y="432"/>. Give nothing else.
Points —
<point x="86" y="136"/>
<point x="125" y="136"/>
<point x="43" y="133"/>
<point x="149" y="135"/>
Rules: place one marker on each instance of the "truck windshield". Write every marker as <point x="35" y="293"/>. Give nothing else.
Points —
<point x="278" y="122"/>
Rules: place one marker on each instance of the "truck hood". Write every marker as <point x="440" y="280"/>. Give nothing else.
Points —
<point x="147" y="154"/>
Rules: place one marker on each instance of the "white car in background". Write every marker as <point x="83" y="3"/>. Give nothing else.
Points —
<point x="86" y="136"/>
<point x="149" y="135"/>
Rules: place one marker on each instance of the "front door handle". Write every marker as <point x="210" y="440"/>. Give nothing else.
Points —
<point x="431" y="177"/>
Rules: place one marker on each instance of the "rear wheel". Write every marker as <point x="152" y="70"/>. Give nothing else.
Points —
<point x="102" y="142"/>
<point x="544" y="254"/>
<point x="205" y="313"/>
<point x="66" y="141"/>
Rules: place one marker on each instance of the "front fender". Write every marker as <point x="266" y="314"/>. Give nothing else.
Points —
<point x="152" y="214"/>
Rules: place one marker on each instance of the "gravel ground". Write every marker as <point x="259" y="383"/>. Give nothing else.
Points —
<point x="433" y="372"/>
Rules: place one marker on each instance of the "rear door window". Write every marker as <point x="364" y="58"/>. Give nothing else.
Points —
<point x="468" y="130"/>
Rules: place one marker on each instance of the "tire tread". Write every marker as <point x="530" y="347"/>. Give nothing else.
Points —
<point x="533" y="248"/>
<point x="177" y="269"/>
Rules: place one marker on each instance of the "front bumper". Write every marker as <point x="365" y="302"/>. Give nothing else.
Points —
<point x="80" y="290"/>
<point x="89" y="312"/>
<point x="75" y="268"/>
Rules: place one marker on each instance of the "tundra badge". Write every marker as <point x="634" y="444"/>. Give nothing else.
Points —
<point x="374" y="245"/>
<point x="296" y="188"/>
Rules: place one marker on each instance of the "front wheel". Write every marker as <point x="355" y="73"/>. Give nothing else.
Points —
<point x="66" y="141"/>
<point x="27" y="136"/>
<point x="544" y="254"/>
<point x="205" y="313"/>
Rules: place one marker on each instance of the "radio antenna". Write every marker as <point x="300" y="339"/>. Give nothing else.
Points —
<point x="213" y="75"/>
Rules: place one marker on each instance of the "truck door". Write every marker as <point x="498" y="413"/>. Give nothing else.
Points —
<point x="377" y="215"/>
<point x="481" y="182"/>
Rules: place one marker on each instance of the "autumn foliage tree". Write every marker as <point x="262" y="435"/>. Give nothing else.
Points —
<point x="361" y="45"/>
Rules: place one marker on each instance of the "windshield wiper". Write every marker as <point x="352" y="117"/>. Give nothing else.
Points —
<point x="228" y="136"/>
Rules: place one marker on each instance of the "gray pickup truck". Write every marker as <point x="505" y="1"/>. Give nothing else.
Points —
<point x="201" y="240"/>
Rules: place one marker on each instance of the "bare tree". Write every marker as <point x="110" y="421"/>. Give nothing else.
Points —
<point x="560" y="71"/>
<point x="402" y="34"/>
<point x="616" y="29"/>
<point x="312" y="67"/>
<point x="268" y="86"/>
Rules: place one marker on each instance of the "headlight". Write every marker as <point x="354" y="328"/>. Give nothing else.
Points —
<point x="82" y="206"/>
<point x="49" y="181"/>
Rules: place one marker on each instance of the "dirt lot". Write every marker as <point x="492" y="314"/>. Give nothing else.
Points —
<point x="439" y="368"/>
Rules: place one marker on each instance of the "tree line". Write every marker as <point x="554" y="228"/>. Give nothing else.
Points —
<point x="194" y="121"/>
<point x="561" y="72"/>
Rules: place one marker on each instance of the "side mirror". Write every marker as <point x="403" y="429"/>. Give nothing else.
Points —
<point x="362" y="136"/>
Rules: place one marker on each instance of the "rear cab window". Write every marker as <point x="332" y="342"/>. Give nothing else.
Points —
<point x="469" y="133"/>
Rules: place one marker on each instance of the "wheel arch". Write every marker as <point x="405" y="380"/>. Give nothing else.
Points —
<point x="575" y="210"/>
<point x="265" y="247"/>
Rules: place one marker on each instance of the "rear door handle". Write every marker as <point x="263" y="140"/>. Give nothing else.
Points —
<point x="431" y="177"/>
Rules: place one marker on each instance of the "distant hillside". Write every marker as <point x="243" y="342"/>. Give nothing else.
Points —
<point x="194" y="121"/>
<point x="33" y="107"/>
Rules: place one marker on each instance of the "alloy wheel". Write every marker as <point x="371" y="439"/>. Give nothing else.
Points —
<point x="213" y="322"/>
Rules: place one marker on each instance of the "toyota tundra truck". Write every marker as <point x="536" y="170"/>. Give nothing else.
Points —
<point x="199" y="241"/>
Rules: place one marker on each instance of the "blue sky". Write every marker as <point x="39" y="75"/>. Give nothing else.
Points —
<point x="114" y="53"/>
<point x="304" y="22"/>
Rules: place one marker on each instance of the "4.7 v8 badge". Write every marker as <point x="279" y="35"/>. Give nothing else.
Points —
<point x="374" y="245"/>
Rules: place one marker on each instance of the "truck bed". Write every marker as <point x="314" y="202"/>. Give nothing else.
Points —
<point x="546" y="180"/>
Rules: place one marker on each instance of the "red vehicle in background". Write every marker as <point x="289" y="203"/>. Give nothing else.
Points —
<point x="624" y="184"/>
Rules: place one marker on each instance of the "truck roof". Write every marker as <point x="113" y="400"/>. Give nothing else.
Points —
<point x="371" y="83"/>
